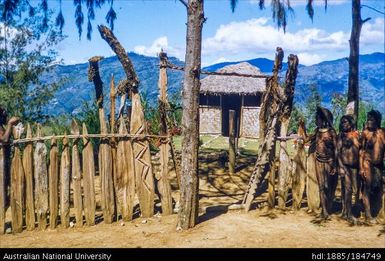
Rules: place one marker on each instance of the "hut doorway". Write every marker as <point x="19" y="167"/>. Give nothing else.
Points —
<point x="231" y="102"/>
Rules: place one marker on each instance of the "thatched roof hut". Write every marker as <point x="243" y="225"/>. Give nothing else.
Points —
<point x="226" y="85"/>
<point x="219" y="94"/>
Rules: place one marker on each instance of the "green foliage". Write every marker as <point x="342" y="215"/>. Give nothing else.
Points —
<point x="296" y="116"/>
<point x="27" y="51"/>
<point x="363" y="109"/>
<point x="311" y="104"/>
<point x="339" y="103"/>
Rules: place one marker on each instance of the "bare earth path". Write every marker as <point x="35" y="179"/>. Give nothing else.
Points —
<point x="227" y="230"/>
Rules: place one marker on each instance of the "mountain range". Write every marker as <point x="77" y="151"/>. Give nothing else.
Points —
<point x="330" y="77"/>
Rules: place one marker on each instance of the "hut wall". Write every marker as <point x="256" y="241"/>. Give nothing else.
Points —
<point x="210" y="120"/>
<point x="250" y="122"/>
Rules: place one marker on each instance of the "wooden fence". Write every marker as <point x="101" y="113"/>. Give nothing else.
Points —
<point x="46" y="183"/>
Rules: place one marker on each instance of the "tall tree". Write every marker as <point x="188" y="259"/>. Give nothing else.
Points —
<point x="27" y="50"/>
<point x="189" y="191"/>
<point x="354" y="43"/>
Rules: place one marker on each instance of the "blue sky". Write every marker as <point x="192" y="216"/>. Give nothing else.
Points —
<point x="145" y="26"/>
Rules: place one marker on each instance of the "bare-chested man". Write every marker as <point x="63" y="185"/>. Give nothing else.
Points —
<point x="348" y="146"/>
<point x="372" y="164"/>
<point x="326" y="159"/>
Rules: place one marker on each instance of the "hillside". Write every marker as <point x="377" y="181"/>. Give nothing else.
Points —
<point x="330" y="77"/>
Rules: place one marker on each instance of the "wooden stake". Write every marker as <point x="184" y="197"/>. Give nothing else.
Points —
<point x="17" y="188"/>
<point x="53" y="173"/>
<point x="77" y="176"/>
<point x="41" y="182"/>
<point x="88" y="179"/>
<point x="125" y="175"/>
<point x="164" y="187"/>
<point x="143" y="167"/>
<point x="232" y="152"/>
<point x="28" y="172"/>
<point x="65" y="173"/>
<point x="105" y="152"/>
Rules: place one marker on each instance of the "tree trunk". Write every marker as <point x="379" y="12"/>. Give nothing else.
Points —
<point x="284" y="159"/>
<point x="354" y="42"/>
<point x="188" y="213"/>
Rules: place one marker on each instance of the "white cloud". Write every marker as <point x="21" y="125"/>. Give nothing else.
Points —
<point x="310" y="59"/>
<point x="157" y="45"/>
<point x="372" y="33"/>
<point x="256" y="37"/>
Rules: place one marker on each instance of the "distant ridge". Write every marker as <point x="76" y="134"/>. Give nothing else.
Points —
<point x="329" y="77"/>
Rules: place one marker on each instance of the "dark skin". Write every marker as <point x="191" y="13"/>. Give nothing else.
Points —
<point x="5" y="133"/>
<point x="348" y="145"/>
<point x="372" y="164"/>
<point x="326" y="151"/>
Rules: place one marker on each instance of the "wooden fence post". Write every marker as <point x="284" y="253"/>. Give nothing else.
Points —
<point x="88" y="179"/>
<point x="105" y="151"/>
<point x="53" y="173"/>
<point x="28" y="172"/>
<point x="164" y="186"/>
<point x="125" y="175"/>
<point x="77" y="176"/>
<point x="143" y="168"/>
<point x="17" y="187"/>
<point x="232" y="152"/>
<point x="65" y="173"/>
<point x="41" y="181"/>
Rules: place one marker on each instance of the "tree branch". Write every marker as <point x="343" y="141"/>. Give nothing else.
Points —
<point x="184" y="3"/>
<point x="367" y="19"/>
<point x="372" y="8"/>
<point x="132" y="81"/>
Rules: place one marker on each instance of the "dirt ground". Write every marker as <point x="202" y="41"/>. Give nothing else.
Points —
<point x="218" y="225"/>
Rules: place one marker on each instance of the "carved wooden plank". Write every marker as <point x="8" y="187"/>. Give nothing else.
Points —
<point x="53" y="173"/>
<point x="41" y="181"/>
<point x="125" y="175"/>
<point x="65" y="173"/>
<point x="17" y="187"/>
<point x="28" y="173"/>
<point x="299" y="175"/>
<point x="88" y="179"/>
<point x="77" y="176"/>
<point x="312" y="190"/>
<point x="2" y="188"/>
<point x="143" y="168"/>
